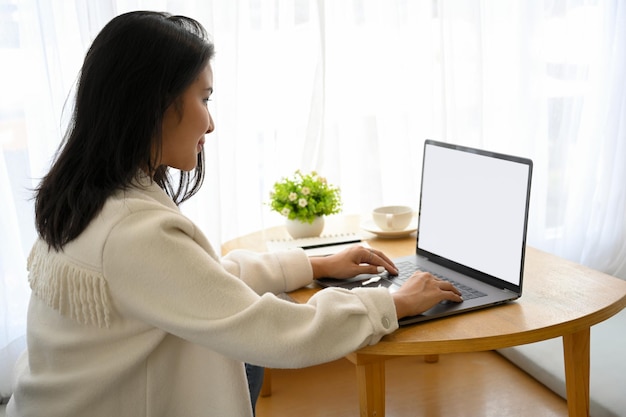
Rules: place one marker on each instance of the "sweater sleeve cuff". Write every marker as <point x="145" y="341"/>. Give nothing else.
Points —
<point x="296" y="268"/>
<point x="383" y="317"/>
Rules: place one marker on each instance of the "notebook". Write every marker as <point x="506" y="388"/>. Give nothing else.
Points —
<point x="472" y="227"/>
<point x="317" y="246"/>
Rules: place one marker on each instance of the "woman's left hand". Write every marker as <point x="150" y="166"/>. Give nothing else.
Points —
<point x="350" y="262"/>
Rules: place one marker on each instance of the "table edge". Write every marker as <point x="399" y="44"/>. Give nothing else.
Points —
<point x="430" y="347"/>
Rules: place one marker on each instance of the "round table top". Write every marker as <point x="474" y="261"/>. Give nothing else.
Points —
<point x="559" y="297"/>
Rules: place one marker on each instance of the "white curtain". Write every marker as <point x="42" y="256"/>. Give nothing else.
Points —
<point x="350" y="89"/>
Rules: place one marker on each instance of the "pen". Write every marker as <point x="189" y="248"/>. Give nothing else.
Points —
<point x="323" y="245"/>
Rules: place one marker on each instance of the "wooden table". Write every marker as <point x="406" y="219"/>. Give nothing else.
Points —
<point x="560" y="299"/>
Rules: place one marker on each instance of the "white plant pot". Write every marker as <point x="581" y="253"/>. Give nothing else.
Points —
<point x="298" y="229"/>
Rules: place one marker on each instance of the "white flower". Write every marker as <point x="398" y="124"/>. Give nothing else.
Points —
<point x="293" y="196"/>
<point x="285" y="211"/>
<point x="306" y="191"/>
<point x="302" y="202"/>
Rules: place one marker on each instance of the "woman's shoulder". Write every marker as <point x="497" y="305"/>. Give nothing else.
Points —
<point x="72" y="280"/>
<point x="125" y="209"/>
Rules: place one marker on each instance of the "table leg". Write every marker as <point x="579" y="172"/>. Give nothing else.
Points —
<point x="431" y="358"/>
<point x="371" y="383"/>
<point x="266" y="388"/>
<point x="576" y="353"/>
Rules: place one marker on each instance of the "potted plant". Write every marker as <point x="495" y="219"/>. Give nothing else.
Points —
<point x="304" y="199"/>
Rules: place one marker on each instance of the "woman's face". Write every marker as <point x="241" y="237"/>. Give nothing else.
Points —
<point x="183" y="137"/>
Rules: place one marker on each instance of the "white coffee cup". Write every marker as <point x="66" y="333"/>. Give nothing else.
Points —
<point x="392" y="218"/>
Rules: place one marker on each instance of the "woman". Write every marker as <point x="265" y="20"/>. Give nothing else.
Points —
<point x="132" y="311"/>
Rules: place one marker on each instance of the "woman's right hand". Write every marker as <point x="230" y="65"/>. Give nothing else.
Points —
<point x="421" y="292"/>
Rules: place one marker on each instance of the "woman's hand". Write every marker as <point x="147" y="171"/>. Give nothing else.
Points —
<point x="421" y="292"/>
<point x="350" y="262"/>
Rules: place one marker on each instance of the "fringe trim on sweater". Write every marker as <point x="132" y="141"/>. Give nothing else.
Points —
<point x="75" y="292"/>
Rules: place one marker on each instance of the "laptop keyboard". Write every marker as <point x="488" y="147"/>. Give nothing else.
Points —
<point x="407" y="269"/>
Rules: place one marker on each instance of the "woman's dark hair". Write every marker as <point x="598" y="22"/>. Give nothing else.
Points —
<point x="138" y="65"/>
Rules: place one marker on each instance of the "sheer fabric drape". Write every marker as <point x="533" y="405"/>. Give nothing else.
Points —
<point x="350" y="89"/>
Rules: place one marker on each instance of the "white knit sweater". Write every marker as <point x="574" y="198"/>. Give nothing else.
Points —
<point x="138" y="316"/>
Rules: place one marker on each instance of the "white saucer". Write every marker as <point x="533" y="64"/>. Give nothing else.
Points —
<point x="370" y="226"/>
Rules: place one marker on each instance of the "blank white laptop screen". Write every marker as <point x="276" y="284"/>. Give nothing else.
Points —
<point x="473" y="210"/>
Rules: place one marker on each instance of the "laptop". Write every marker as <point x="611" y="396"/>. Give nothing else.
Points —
<point x="472" y="227"/>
